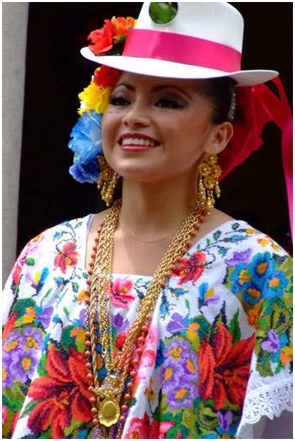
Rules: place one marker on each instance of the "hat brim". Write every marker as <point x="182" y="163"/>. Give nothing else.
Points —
<point x="167" y="69"/>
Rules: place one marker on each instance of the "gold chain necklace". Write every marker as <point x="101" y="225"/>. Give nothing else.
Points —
<point x="110" y="397"/>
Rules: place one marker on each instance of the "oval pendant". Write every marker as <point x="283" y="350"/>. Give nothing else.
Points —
<point x="109" y="412"/>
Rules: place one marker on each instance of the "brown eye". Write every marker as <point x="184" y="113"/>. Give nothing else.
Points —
<point x="118" y="101"/>
<point x="168" y="103"/>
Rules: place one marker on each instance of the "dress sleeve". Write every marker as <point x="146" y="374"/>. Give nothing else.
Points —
<point x="21" y="339"/>
<point x="269" y="390"/>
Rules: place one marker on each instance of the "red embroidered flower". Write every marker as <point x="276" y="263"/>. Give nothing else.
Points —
<point x="68" y="256"/>
<point x="102" y="39"/>
<point x="224" y="367"/>
<point x="139" y="428"/>
<point x="121" y="293"/>
<point x="105" y="76"/>
<point x="189" y="269"/>
<point x="64" y="394"/>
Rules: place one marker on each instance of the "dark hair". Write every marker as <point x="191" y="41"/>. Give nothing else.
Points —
<point x="220" y="92"/>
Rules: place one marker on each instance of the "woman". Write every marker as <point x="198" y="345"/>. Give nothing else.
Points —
<point x="154" y="319"/>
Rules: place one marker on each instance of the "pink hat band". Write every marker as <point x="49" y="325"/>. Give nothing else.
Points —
<point x="184" y="49"/>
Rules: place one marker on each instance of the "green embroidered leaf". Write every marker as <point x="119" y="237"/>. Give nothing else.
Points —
<point x="74" y="425"/>
<point x="264" y="366"/>
<point x="20" y="307"/>
<point x="204" y="327"/>
<point x="30" y="407"/>
<point x="75" y="286"/>
<point x="187" y="304"/>
<point x="14" y="397"/>
<point x="30" y="261"/>
<point x="217" y="235"/>
<point x="207" y="417"/>
<point x="42" y="366"/>
<point x="65" y="310"/>
<point x="235" y="226"/>
<point x="234" y="328"/>
<point x="45" y="435"/>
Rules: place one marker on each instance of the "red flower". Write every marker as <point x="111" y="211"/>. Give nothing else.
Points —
<point x="64" y="394"/>
<point x="224" y="367"/>
<point x="105" y="76"/>
<point x="122" y="26"/>
<point x="68" y="256"/>
<point x="139" y="428"/>
<point x="102" y="39"/>
<point x="121" y="293"/>
<point x="190" y="268"/>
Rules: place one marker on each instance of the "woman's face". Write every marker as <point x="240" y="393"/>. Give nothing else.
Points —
<point x="156" y="128"/>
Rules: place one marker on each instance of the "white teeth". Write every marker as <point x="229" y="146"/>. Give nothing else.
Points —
<point x="138" y="141"/>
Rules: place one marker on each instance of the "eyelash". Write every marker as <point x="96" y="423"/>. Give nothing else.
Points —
<point x="167" y="103"/>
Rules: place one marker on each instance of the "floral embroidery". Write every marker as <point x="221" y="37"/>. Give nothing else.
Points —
<point x="190" y="269"/>
<point x="63" y="393"/>
<point x="210" y="331"/>
<point x="121" y="293"/>
<point x="224" y="367"/>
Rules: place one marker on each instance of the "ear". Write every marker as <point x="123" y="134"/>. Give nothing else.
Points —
<point x="219" y="138"/>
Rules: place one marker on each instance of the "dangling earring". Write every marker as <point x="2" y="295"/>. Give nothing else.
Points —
<point x="208" y="174"/>
<point x="107" y="181"/>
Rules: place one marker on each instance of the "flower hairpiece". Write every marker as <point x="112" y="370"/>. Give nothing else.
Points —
<point x="85" y="137"/>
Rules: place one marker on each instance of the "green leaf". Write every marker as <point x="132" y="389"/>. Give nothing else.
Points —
<point x="30" y="406"/>
<point x="235" y="226"/>
<point x="14" y="397"/>
<point x="234" y="328"/>
<point x="30" y="261"/>
<point x="217" y="235"/>
<point x="75" y="286"/>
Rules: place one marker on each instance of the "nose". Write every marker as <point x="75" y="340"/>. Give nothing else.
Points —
<point x="137" y="115"/>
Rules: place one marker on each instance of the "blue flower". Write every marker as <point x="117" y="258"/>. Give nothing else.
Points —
<point x="85" y="172"/>
<point x="87" y="146"/>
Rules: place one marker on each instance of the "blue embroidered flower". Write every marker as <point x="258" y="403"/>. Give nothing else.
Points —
<point x="87" y="146"/>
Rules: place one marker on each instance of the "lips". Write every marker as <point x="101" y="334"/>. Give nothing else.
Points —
<point x="137" y="141"/>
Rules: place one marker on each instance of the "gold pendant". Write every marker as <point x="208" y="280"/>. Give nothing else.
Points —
<point x="108" y="401"/>
<point x="109" y="412"/>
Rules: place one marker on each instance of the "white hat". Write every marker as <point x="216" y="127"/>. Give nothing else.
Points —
<point x="204" y="40"/>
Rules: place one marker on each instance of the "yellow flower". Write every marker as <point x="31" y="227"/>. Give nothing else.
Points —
<point x="29" y="315"/>
<point x="94" y="98"/>
<point x="286" y="355"/>
<point x="250" y="231"/>
<point x="192" y="331"/>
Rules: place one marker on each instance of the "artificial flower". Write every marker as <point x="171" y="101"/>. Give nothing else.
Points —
<point x="102" y="39"/>
<point x="105" y="76"/>
<point x="94" y="98"/>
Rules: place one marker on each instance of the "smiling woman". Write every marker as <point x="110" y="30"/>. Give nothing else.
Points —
<point x="161" y="316"/>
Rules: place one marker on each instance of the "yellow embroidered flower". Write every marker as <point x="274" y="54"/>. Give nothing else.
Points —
<point x="94" y="98"/>
<point x="30" y="315"/>
<point x="286" y="355"/>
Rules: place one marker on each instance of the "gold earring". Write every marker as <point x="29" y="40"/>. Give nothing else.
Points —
<point x="107" y="181"/>
<point x="208" y="174"/>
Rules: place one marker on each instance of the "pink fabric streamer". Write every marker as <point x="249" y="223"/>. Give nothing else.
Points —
<point x="260" y="105"/>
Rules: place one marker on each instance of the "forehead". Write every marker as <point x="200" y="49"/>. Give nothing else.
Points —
<point x="150" y="82"/>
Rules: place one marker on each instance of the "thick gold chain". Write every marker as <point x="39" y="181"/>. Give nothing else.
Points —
<point x="100" y="316"/>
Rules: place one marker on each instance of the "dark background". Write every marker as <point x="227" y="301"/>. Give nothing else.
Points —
<point x="56" y="73"/>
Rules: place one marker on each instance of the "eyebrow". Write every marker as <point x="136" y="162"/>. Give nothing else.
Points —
<point x="155" y="89"/>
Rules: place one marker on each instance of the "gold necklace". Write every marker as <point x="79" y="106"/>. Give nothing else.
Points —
<point x="139" y="239"/>
<point x="110" y="397"/>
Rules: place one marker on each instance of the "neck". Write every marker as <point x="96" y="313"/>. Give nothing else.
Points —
<point x="156" y="207"/>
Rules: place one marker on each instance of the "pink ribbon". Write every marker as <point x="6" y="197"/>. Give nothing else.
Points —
<point x="144" y="43"/>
